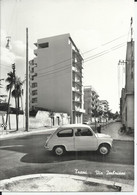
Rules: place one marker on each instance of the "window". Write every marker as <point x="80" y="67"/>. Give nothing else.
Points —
<point x="34" y="85"/>
<point x="33" y="76"/>
<point x="34" y="92"/>
<point x="83" y="132"/>
<point x="34" y="100"/>
<point x="43" y="45"/>
<point x="65" y="133"/>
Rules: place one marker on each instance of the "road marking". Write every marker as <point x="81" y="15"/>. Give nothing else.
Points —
<point x="2" y="147"/>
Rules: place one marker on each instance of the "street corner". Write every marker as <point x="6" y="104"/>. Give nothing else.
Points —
<point x="53" y="182"/>
<point x="14" y="134"/>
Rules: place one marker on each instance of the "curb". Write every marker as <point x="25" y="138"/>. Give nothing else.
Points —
<point x="119" y="186"/>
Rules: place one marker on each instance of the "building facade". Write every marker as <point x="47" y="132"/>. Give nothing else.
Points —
<point x="91" y="103"/>
<point x="56" y="77"/>
<point x="127" y="93"/>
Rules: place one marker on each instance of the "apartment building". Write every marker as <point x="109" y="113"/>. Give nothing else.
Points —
<point x="91" y="103"/>
<point x="56" y="77"/>
<point x="127" y="93"/>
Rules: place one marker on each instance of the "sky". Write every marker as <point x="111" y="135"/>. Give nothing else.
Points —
<point x="99" y="28"/>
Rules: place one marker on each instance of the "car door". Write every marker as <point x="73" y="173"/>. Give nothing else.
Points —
<point x="65" y="137"/>
<point x="85" y="140"/>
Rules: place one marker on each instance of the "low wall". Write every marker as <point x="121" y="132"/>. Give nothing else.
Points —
<point x="41" y="119"/>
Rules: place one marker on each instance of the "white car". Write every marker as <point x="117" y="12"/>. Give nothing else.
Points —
<point x="78" y="137"/>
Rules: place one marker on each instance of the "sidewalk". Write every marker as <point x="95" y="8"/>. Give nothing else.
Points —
<point x="53" y="183"/>
<point x="110" y="129"/>
<point x="7" y="134"/>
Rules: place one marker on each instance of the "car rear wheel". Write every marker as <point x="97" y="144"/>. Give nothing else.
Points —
<point x="59" y="150"/>
<point x="104" y="149"/>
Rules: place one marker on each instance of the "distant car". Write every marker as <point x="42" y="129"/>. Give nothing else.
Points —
<point x="118" y="120"/>
<point x="78" y="137"/>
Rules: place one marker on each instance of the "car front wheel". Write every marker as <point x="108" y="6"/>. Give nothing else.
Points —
<point x="59" y="150"/>
<point x="104" y="149"/>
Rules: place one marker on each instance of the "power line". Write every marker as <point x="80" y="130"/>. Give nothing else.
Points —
<point x="107" y="51"/>
<point x="104" y="51"/>
<point x="90" y="57"/>
<point x="69" y="65"/>
<point x="54" y="72"/>
<point x="83" y="52"/>
<point x="58" y="72"/>
<point x="106" y="43"/>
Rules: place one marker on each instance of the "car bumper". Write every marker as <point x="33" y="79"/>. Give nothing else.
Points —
<point x="46" y="147"/>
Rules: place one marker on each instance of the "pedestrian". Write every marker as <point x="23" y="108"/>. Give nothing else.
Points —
<point x="99" y="128"/>
<point x="78" y="133"/>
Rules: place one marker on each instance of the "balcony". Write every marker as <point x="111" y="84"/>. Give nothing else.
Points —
<point x="33" y="76"/>
<point x="35" y="52"/>
<point x="35" y="61"/>
<point x="76" y="90"/>
<point x="77" y="81"/>
<point x="78" y="73"/>
<point x="77" y="101"/>
<point x="78" y="64"/>
<point x="73" y="68"/>
<point x="78" y="109"/>
<point x="82" y="110"/>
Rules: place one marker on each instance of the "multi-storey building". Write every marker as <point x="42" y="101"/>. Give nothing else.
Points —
<point x="91" y="103"/>
<point x="127" y="93"/>
<point x="56" y="77"/>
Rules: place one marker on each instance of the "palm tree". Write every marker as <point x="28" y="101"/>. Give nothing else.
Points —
<point x="11" y="80"/>
<point x="17" y="94"/>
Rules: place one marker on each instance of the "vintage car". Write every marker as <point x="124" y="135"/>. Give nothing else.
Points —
<point x="78" y="137"/>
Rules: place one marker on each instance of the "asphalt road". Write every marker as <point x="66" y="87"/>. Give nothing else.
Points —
<point x="26" y="155"/>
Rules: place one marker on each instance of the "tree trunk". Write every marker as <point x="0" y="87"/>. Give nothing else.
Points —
<point x="18" y="109"/>
<point x="9" y="123"/>
<point x="21" y="102"/>
<point x="5" y="127"/>
<point x="95" y="124"/>
<point x="16" y="113"/>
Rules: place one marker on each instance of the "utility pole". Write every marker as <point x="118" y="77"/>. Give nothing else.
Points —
<point x="27" y="84"/>
<point x="131" y="26"/>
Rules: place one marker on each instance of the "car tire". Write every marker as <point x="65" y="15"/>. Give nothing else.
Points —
<point x="121" y="131"/>
<point x="104" y="149"/>
<point x="59" y="150"/>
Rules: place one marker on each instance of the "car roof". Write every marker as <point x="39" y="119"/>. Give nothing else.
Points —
<point x="70" y="126"/>
<point x="74" y="126"/>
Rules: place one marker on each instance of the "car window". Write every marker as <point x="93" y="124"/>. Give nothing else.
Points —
<point x="65" y="133"/>
<point x="83" y="132"/>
